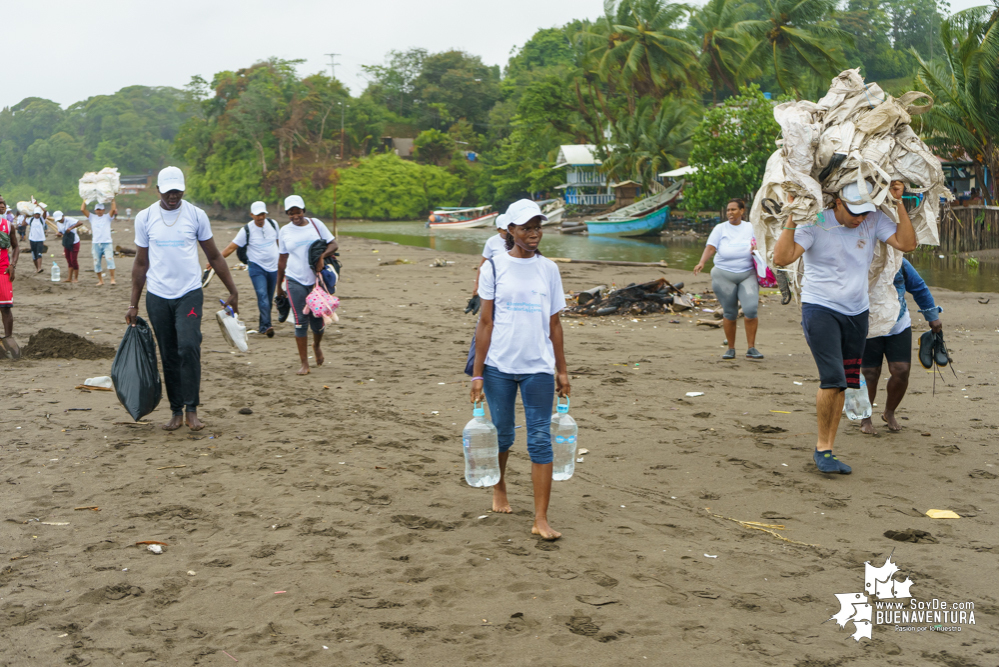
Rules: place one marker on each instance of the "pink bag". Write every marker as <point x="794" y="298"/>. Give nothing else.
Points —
<point x="764" y="275"/>
<point x="321" y="303"/>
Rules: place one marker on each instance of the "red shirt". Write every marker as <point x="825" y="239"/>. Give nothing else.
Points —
<point x="5" y="252"/>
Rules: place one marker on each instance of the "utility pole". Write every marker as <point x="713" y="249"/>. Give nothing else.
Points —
<point x="332" y="64"/>
<point x="343" y="111"/>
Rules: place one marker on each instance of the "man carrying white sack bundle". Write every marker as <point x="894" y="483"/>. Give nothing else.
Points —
<point x="100" y="242"/>
<point x="838" y="250"/>
<point x="167" y="235"/>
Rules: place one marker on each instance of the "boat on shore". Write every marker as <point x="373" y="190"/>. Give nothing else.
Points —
<point x="554" y="210"/>
<point x="644" y="218"/>
<point x="453" y="217"/>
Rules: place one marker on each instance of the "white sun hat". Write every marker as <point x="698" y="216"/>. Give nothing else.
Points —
<point x="851" y="197"/>
<point x="522" y="211"/>
<point x="258" y="207"/>
<point x="502" y="221"/>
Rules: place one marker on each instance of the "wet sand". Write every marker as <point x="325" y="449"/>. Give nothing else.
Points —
<point x="333" y="525"/>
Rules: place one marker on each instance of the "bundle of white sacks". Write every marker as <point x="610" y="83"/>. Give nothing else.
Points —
<point x="856" y="132"/>
<point x="101" y="186"/>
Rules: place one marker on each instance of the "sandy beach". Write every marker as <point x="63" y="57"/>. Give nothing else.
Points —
<point x="332" y="524"/>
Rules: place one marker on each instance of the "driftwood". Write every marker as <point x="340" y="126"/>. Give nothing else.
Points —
<point x="126" y="252"/>
<point x="605" y="262"/>
<point x="710" y="323"/>
<point x="586" y="296"/>
<point x="652" y="297"/>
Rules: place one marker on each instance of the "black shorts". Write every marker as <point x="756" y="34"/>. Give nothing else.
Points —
<point x="837" y="344"/>
<point x="37" y="249"/>
<point x="897" y="348"/>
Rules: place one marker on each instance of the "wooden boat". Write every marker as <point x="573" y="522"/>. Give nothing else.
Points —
<point x="462" y="218"/>
<point x="554" y="210"/>
<point x="643" y="218"/>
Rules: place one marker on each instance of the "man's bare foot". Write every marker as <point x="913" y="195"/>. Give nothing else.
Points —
<point x="867" y="426"/>
<point x="67" y="280"/>
<point x="319" y="355"/>
<point x="100" y="283"/>
<point x="74" y="280"/>
<point x="193" y="422"/>
<point x="501" y="504"/>
<point x="889" y="419"/>
<point x="546" y="532"/>
<point x="175" y="423"/>
<point x="113" y="282"/>
<point x="304" y="370"/>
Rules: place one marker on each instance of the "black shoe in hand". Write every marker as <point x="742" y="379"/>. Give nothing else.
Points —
<point x="473" y="305"/>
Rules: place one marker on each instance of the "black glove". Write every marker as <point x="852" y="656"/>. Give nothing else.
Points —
<point x="473" y="305"/>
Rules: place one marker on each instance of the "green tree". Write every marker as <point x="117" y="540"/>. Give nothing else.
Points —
<point x="797" y="40"/>
<point x="730" y="150"/>
<point x="720" y="28"/>
<point x="433" y="147"/>
<point x="869" y="23"/>
<point x="454" y="85"/>
<point x="650" y="141"/>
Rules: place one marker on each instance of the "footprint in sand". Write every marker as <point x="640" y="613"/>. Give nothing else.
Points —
<point x="601" y="579"/>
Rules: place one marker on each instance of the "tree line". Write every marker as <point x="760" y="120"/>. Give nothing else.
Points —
<point x="646" y="83"/>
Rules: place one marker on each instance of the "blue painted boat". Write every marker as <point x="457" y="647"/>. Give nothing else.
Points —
<point x="646" y="225"/>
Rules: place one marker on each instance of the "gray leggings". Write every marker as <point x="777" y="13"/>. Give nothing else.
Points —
<point x="733" y="289"/>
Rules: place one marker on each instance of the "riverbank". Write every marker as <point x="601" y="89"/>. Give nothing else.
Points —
<point x="332" y="524"/>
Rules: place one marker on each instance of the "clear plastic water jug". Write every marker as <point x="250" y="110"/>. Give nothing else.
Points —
<point x="480" y="442"/>
<point x="55" y="272"/>
<point x="858" y="404"/>
<point x="564" y="431"/>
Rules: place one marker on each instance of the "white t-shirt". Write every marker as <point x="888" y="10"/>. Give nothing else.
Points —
<point x="36" y="229"/>
<point x="65" y="224"/>
<point x="100" y="227"/>
<point x="734" y="244"/>
<point x="294" y="241"/>
<point x="525" y="294"/>
<point x="494" y="246"/>
<point x="837" y="260"/>
<point x="263" y="249"/>
<point x="172" y="238"/>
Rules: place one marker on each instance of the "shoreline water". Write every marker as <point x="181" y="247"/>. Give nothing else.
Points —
<point x="336" y="514"/>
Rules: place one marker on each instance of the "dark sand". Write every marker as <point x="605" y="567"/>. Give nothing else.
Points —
<point x="336" y="514"/>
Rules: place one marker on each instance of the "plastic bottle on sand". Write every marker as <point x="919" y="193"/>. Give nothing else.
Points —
<point x="858" y="404"/>
<point x="480" y="442"/>
<point x="55" y="272"/>
<point x="564" y="433"/>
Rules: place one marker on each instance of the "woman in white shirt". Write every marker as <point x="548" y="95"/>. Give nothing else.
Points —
<point x="519" y="344"/>
<point x="733" y="277"/>
<point x="294" y="242"/>
<point x="494" y="246"/>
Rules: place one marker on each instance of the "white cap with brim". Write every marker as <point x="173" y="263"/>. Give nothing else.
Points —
<point x="57" y="216"/>
<point x="258" y="207"/>
<point x="37" y="211"/>
<point x="522" y="211"/>
<point x="853" y="201"/>
<point x="502" y="221"/>
<point x="170" y="178"/>
<point x="99" y="207"/>
<point x="292" y="201"/>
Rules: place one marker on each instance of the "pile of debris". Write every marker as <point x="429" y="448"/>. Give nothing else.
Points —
<point x="658" y="296"/>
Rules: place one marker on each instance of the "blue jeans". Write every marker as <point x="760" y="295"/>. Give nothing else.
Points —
<point x="537" y="392"/>
<point x="264" y="283"/>
<point x="99" y="250"/>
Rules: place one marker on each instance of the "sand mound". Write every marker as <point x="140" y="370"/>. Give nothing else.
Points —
<point x="53" y="343"/>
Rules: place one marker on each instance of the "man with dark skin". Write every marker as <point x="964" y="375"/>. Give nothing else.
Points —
<point x="300" y="220"/>
<point x="8" y="260"/>
<point x="182" y="375"/>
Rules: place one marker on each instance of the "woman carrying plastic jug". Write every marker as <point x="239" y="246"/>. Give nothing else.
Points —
<point x="519" y="344"/>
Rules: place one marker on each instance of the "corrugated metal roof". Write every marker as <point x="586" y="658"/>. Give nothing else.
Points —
<point x="577" y="155"/>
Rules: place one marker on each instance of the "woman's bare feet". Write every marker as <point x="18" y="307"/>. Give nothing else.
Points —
<point x="193" y="422"/>
<point x="501" y="504"/>
<point x="68" y="280"/>
<point x="319" y="355"/>
<point x="176" y="421"/>
<point x="546" y="532"/>
<point x="889" y="418"/>
<point x="304" y="370"/>
<point x="867" y="426"/>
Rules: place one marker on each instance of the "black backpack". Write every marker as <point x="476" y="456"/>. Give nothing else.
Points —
<point x="241" y="250"/>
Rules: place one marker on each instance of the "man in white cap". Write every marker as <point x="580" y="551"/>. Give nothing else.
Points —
<point x="100" y="242"/>
<point x="36" y="237"/>
<point x="256" y="245"/>
<point x="167" y="236"/>
<point x="838" y="252"/>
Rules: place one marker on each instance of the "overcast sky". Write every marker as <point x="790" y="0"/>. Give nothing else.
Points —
<point x="76" y="49"/>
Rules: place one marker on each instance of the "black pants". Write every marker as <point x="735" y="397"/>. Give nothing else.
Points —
<point x="177" y="325"/>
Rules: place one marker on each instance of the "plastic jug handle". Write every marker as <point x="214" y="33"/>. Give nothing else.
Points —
<point x="478" y="404"/>
<point x="558" y="401"/>
<point x="228" y="309"/>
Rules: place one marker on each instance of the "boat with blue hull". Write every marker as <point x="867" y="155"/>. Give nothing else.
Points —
<point x="646" y="225"/>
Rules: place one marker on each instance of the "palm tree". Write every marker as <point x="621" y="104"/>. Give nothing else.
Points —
<point x="638" y="48"/>
<point x="720" y="27"/>
<point x="652" y="140"/>
<point x="964" y="86"/>
<point x="797" y="38"/>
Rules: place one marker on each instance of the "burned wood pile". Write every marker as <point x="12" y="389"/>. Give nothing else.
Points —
<point x="658" y="296"/>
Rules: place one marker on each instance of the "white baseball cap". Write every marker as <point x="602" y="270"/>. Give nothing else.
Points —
<point x="851" y="197"/>
<point x="521" y="211"/>
<point x="501" y="221"/>
<point x="57" y="215"/>
<point x="99" y="206"/>
<point x="170" y="178"/>
<point x="258" y="207"/>
<point x="37" y="211"/>
<point x="291" y="201"/>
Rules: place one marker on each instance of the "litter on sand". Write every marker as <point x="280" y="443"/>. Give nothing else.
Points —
<point x="709" y="556"/>
<point x="584" y="452"/>
<point x="942" y="514"/>
<point x="66" y="523"/>
<point x="692" y="394"/>
<point x="769" y="528"/>
<point x="155" y="548"/>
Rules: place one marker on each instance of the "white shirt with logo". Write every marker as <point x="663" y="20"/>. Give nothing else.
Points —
<point x="263" y="249"/>
<point x="525" y="294"/>
<point x="295" y="241"/>
<point x="734" y="245"/>
<point x="100" y="228"/>
<point x="172" y="238"/>
<point x="36" y="229"/>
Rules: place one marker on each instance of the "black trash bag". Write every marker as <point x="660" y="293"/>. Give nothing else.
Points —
<point x="134" y="373"/>
<point x="283" y="307"/>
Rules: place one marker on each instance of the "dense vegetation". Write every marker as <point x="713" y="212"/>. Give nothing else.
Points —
<point x="643" y="83"/>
